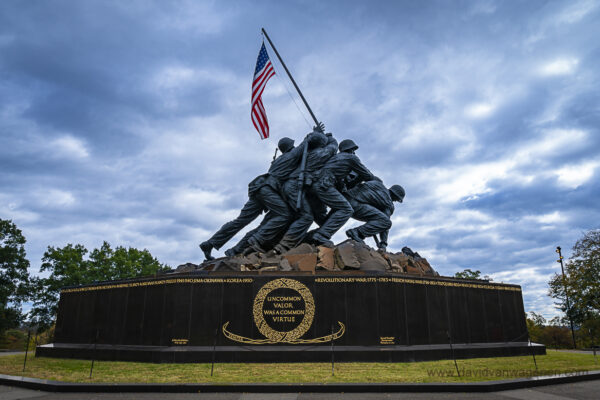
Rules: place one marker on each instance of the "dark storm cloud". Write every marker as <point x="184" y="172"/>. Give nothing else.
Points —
<point x="85" y="67"/>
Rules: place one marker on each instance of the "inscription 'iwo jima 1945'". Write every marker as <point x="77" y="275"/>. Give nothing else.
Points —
<point x="295" y="309"/>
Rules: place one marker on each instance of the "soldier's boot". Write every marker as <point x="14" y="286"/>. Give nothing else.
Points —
<point x="237" y="249"/>
<point x="355" y="235"/>
<point x="206" y="248"/>
<point x="230" y="252"/>
<point x="284" y="245"/>
<point x="308" y="238"/>
<point x="272" y="253"/>
<point x="281" y="248"/>
<point x="254" y="246"/>
<point x="321" y="240"/>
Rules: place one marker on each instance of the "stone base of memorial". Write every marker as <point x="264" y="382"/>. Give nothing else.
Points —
<point x="290" y="317"/>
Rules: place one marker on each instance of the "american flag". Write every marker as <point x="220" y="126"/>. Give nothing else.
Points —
<point x="263" y="72"/>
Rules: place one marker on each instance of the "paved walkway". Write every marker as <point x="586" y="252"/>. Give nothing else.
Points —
<point x="591" y="352"/>
<point x="580" y="390"/>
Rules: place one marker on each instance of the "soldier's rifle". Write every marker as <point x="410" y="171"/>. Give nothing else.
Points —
<point x="301" y="176"/>
<point x="305" y="150"/>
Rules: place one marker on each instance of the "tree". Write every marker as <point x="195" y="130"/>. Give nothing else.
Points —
<point x="68" y="266"/>
<point x="582" y="283"/>
<point x="123" y="263"/>
<point x="535" y="327"/>
<point x="552" y="333"/>
<point x="558" y="335"/>
<point x="468" y="274"/>
<point x="14" y="277"/>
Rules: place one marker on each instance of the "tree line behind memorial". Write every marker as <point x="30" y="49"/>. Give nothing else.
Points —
<point x="73" y="265"/>
<point x="70" y="265"/>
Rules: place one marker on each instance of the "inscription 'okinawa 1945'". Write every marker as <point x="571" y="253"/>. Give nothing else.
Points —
<point x="274" y="312"/>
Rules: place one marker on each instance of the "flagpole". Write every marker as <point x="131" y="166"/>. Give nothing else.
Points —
<point x="291" y="77"/>
<point x="305" y="150"/>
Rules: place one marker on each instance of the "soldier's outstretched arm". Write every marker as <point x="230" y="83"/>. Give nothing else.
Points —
<point x="362" y="171"/>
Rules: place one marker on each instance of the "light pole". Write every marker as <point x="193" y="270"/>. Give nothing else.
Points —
<point x="562" y="268"/>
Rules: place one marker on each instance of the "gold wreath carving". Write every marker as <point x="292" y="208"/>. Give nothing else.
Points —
<point x="293" y="336"/>
<point x="322" y="339"/>
<point x="307" y="319"/>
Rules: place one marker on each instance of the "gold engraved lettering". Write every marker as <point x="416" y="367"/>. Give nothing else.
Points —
<point x="284" y="298"/>
<point x="282" y="305"/>
<point x="157" y="282"/>
<point x="258" y="310"/>
<point x="292" y="298"/>
<point x="284" y="319"/>
<point x="425" y="281"/>
<point x="284" y="310"/>
<point x="386" y="340"/>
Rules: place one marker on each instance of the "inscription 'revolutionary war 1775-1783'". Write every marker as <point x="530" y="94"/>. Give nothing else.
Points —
<point x="430" y="282"/>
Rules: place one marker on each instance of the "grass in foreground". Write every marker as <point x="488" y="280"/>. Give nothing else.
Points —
<point x="477" y="369"/>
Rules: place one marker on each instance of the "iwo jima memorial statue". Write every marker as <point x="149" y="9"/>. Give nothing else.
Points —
<point x="286" y="294"/>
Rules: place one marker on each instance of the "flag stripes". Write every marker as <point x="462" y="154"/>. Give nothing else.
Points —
<point x="262" y="73"/>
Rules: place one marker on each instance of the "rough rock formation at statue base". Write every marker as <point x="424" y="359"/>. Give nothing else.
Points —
<point x="348" y="255"/>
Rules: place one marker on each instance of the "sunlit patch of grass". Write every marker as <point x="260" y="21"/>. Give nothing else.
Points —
<point x="476" y="369"/>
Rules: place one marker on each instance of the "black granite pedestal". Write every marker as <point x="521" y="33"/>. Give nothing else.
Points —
<point x="290" y="317"/>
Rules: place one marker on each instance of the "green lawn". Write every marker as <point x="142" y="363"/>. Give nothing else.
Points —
<point x="478" y="369"/>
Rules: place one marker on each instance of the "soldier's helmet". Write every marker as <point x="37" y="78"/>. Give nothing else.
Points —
<point x="347" y="144"/>
<point x="285" y="144"/>
<point x="398" y="192"/>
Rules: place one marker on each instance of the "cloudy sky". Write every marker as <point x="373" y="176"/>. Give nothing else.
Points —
<point x="130" y="121"/>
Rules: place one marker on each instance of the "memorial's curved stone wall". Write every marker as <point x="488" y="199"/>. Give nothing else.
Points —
<point x="290" y="310"/>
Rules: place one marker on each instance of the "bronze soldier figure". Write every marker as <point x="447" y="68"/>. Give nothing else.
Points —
<point x="372" y="203"/>
<point x="328" y="185"/>
<point x="320" y="150"/>
<point x="263" y="194"/>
